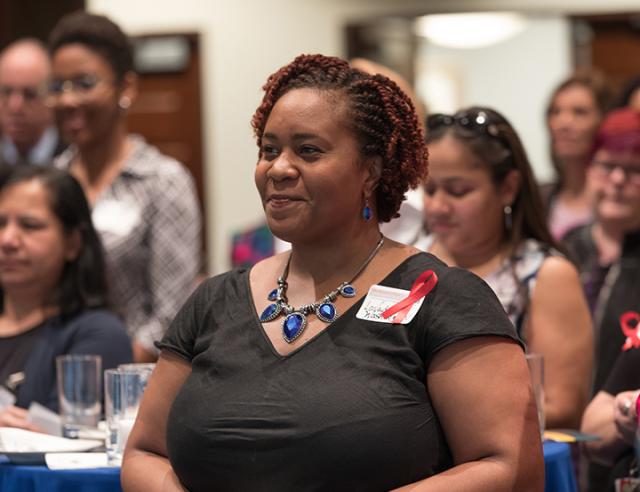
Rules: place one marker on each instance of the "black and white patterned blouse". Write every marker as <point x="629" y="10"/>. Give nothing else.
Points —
<point x="150" y="225"/>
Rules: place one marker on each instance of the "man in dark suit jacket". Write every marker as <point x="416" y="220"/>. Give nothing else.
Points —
<point x="26" y="123"/>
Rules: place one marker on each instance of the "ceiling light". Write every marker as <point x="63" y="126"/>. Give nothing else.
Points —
<point x="469" y="30"/>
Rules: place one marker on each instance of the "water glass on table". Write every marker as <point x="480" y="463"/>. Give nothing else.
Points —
<point x="79" y="390"/>
<point x="536" y="370"/>
<point x="124" y="388"/>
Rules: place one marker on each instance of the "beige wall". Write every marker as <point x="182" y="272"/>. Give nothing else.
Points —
<point x="245" y="40"/>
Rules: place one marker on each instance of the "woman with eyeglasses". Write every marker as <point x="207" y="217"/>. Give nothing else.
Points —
<point x="608" y="255"/>
<point x="575" y="110"/>
<point x="144" y="203"/>
<point x="484" y="213"/>
<point x="607" y="251"/>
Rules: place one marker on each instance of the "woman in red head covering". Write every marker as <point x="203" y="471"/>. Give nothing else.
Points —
<point x="608" y="254"/>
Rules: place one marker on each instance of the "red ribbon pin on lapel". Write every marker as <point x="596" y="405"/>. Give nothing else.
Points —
<point x="629" y="322"/>
<point x="420" y="288"/>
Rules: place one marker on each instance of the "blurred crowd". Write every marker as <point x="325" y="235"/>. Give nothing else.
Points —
<point x="100" y="231"/>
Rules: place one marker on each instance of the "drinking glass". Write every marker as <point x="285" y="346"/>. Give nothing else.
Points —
<point x="130" y="382"/>
<point x="536" y="370"/>
<point x="112" y="413"/>
<point x="79" y="390"/>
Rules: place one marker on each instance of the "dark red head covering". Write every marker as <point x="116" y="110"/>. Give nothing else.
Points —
<point x="619" y="132"/>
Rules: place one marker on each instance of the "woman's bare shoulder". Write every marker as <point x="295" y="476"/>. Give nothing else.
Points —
<point x="557" y="270"/>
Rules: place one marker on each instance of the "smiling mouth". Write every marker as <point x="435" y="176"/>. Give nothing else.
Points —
<point x="282" y="199"/>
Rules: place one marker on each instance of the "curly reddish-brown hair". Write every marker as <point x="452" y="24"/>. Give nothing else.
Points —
<point x="381" y="116"/>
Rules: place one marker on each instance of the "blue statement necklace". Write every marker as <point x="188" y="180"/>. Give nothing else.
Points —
<point x="295" y="320"/>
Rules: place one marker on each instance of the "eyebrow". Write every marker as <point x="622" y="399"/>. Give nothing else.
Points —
<point x="450" y="179"/>
<point x="296" y="136"/>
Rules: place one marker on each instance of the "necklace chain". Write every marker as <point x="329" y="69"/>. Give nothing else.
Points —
<point x="331" y="296"/>
<point x="295" y="318"/>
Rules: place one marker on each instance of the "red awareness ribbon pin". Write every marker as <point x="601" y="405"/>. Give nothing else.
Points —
<point x="629" y="323"/>
<point x="420" y="288"/>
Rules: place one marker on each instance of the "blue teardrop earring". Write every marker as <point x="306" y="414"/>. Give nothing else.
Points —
<point x="366" y="211"/>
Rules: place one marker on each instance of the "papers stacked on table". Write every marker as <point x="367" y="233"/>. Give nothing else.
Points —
<point x="23" y="441"/>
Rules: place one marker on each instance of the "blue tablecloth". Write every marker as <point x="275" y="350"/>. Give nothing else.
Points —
<point x="40" y="479"/>
<point x="559" y="476"/>
<point x="558" y="468"/>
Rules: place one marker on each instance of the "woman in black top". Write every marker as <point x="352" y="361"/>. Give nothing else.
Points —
<point x="612" y="415"/>
<point x="257" y="389"/>
<point x="608" y="250"/>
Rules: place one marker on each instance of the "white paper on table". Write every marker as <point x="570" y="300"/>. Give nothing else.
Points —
<point x="75" y="461"/>
<point x="14" y="440"/>
<point x="50" y="422"/>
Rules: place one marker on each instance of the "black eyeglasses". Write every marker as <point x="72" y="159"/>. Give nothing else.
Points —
<point x="79" y="86"/>
<point x="630" y="172"/>
<point x="475" y="121"/>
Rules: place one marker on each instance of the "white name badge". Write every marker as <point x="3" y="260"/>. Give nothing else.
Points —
<point x="380" y="298"/>
<point x="116" y="217"/>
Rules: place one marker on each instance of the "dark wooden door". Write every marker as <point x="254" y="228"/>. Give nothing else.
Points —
<point x="168" y="109"/>
<point x="610" y="43"/>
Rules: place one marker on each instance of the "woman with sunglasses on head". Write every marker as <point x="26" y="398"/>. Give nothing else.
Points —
<point x="575" y="110"/>
<point x="144" y="203"/>
<point x="53" y="293"/>
<point x="292" y="375"/>
<point x="484" y="213"/>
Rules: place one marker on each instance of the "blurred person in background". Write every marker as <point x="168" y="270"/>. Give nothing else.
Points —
<point x="53" y="290"/>
<point x="484" y="213"/>
<point x="630" y="95"/>
<point x="612" y="416"/>
<point x="27" y="132"/>
<point x="144" y="203"/>
<point x="607" y="253"/>
<point x="576" y="108"/>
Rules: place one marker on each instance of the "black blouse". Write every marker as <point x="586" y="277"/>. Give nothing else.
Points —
<point x="348" y="410"/>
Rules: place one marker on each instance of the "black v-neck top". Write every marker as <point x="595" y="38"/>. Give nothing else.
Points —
<point x="348" y="410"/>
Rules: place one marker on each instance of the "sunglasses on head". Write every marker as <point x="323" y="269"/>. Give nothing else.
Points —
<point x="475" y="121"/>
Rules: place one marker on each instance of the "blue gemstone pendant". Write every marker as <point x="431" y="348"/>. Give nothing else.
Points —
<point x="348" y="290"/>
<point x="327" y="312"/>
<point x="293" y="326"/>
<point x="273" y="295"/>
<point x="271" y="312"/>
